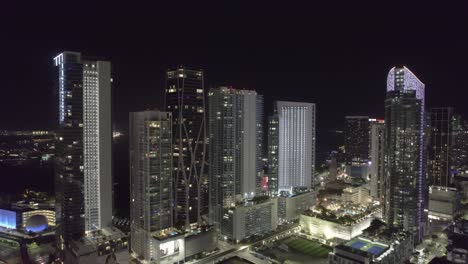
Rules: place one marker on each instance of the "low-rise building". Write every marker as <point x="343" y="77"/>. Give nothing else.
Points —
<point x="290" y="207"/>
<point x="457" y="248"/>
<point x="254" y="217"/>
<point x="331" y="228"/>
<point x="357" y="195"/>
<point x="443" y="203"/>
<point x="387" y="248"/>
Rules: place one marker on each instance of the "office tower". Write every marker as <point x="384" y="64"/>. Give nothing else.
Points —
<point x="296" y="145"/>
<point x="440" y="145"/>
<point x="405" y="150"/>
<point x="185" y="99"/>
<point x="150" y="178"/>
<point x="356" y="139"/>
<point x="84" y="158"/>
<point x="235" y="151"/>
<point x="377" y="159"/>
<point x="459" y="149"/>
<point x="273" y="136"/>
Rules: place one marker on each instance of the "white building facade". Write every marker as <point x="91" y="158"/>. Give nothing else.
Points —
<point x="296" y="145"/>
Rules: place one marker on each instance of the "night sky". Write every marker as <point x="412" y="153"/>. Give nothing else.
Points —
<point x="336" y="55"/>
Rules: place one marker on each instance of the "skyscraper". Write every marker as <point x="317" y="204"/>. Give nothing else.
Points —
<point x="84" y="159"/>
<point x="185" y="99"/>
<point x="296" y="145"/>
<point x="357" y="139"/>
<point x="150" y="178"/>
<point x="405" y="150"/>
<point x="440" y="146"/>
<point x="377" y="159"/>
<point x="273" y="136"/>
<point x="235" y="118"/>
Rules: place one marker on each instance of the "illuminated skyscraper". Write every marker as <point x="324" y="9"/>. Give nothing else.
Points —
<point x="405" y="150"/>
<point x="185" y="99"/>
<point x="84" y="159"/>
<point x="235" y="125"/>
<point x="150" y="179"/>
<point x="440" y="146"/>
<point x="296" y="145"/>
<point x="357" y="139"/>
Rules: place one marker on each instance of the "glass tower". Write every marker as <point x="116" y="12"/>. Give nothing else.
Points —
<point x="150" y="178"/>
<point x="185" y="99"/>
<point x="357" y="139"/>
<point x="405" y="150"/>
<point x="235" y="125"/>
<point x="84" y="158"/>
<point x="440" y="146"/>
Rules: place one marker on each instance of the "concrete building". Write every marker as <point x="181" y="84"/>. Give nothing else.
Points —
<point x="377" y="159"/>
<point x="296" y="145"/>
<point x="443" y="203"/>
<point x="457" y="248"/>
<point x="330" y="229"/>
<point x="357" y="195"/>
<point x="291" y="206"/>
<point x="83" y="181"/>
<point x="150" y="180"/>
<point x="255" y="217"/>
<point x="235" y="125"/>
<point x="273" y="137"/>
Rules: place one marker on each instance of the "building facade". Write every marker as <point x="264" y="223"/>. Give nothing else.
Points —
<point x="150" y="179"/>
<point x="356" y="141"/>
<point x="440" y="147"/>
<point x="377" y="159"/>
<point x="235" y="120"/>
<point x="253" y="218"/>
<point x="405" y="150"/>
<point x="83" y="179"/>
<point x="290" y="207"/>
<point x="273" y="137"/>
<point x="185" y="99"/>
<point x="296" y="145"/>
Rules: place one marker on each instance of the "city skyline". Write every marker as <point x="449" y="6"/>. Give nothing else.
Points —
<point x="215" y="133"/>
<point x="250" y="57"/>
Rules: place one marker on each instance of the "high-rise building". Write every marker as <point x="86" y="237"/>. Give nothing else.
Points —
<point x="356" y="141"/>
<point x="185" y="99"/>
<point x="296" y="145"/>
<point x="273" y="136"/>
<point x="405" y="150"/>
<point x="377" y="159"/>
<point x="84" y="158"/>
<point x="235" y="118"/>
<point x="150" y="179"/>
<point x="459" y="148"/>
<point x="440" y="146"/>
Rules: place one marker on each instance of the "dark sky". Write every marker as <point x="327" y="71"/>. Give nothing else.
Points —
<point x="336" y="55"/>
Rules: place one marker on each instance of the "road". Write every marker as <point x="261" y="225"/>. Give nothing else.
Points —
<point x="242" y="251"/>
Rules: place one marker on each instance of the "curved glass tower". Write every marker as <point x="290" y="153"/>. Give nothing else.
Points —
<point x="404" y="128"/>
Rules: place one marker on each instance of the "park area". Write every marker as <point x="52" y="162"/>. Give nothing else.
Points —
<point x="296" y="250"/>
<point x="308" y="247"/>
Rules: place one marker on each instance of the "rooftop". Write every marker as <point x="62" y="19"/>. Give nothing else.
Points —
<point x="166" y="233"/>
